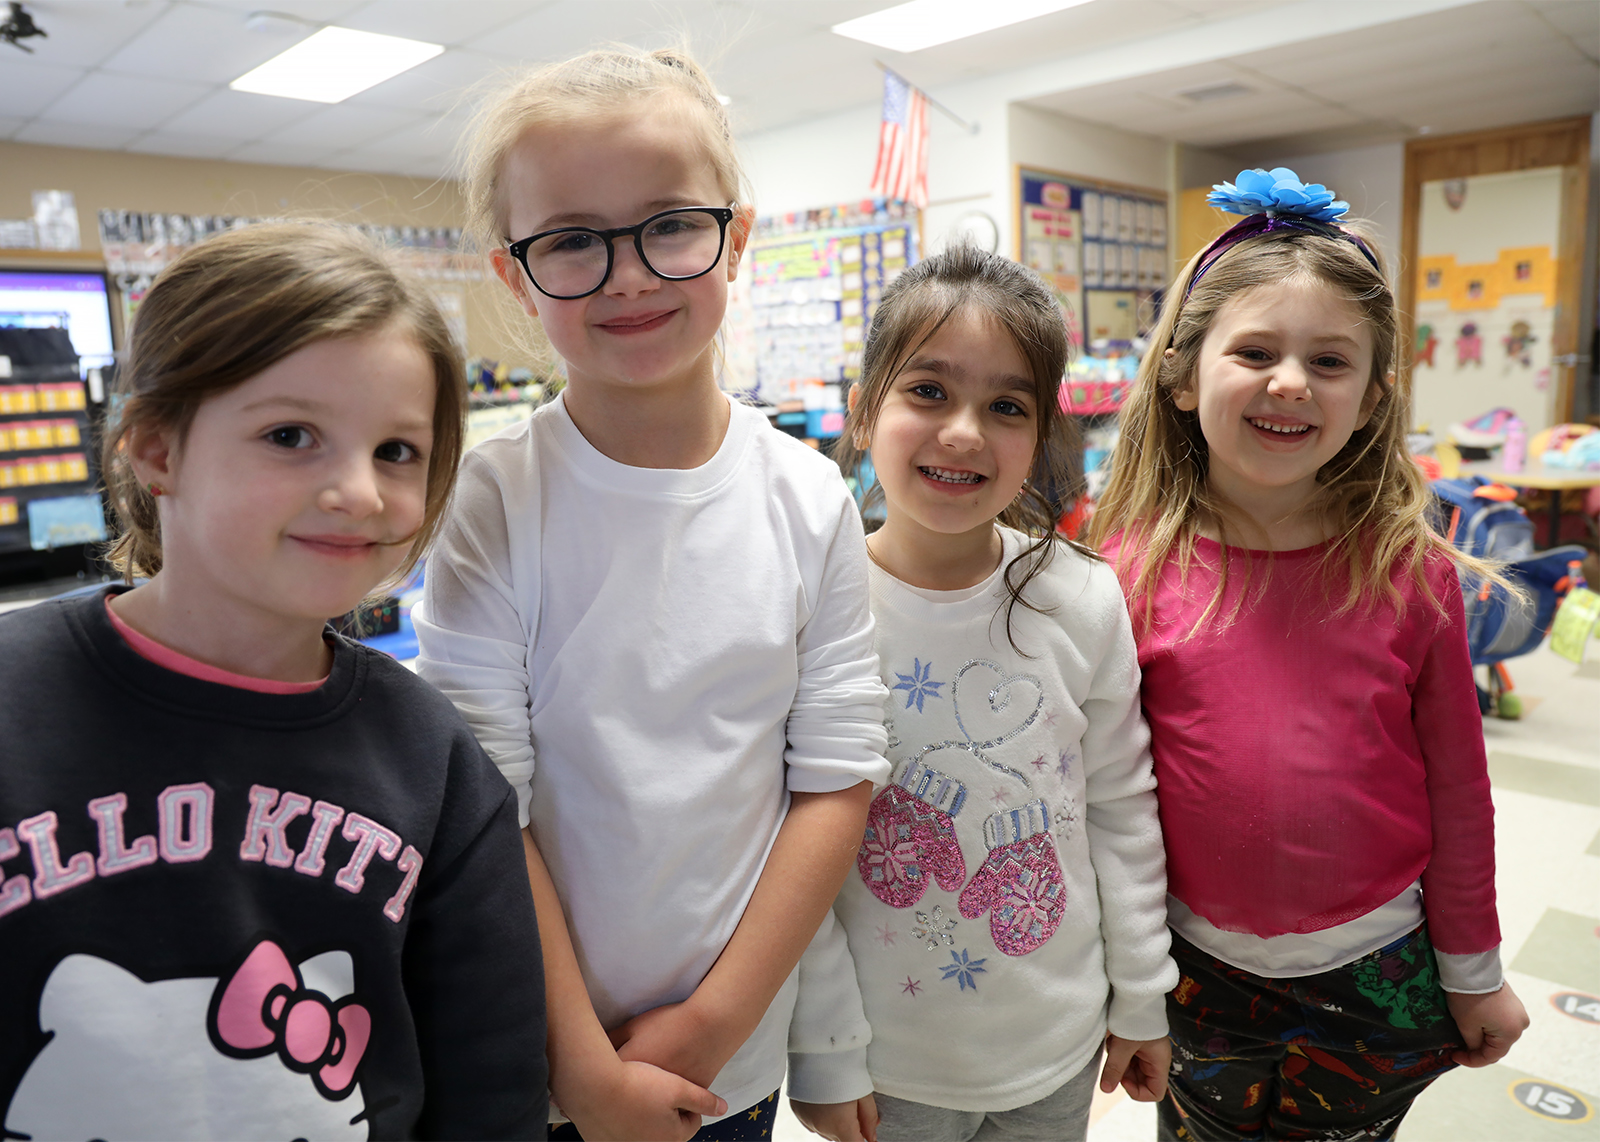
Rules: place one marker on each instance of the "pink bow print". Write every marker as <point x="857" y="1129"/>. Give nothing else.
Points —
<point x="265" y="1007"/>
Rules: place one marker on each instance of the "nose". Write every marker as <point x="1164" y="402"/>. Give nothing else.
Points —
<point x="629" y="275"/>
<point x="353" y="490"/>
<point x="1290" y="380"/>
<point x="962" y="430"/>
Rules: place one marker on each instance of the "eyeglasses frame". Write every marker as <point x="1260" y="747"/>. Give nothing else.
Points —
<point x="723" y="215"/>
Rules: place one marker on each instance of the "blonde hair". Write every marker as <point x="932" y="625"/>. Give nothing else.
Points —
<point x="1371" y="492"/>
<point x="913" y="308"/>
<point x="597" y="84"/>
<point x="238" y="303"/>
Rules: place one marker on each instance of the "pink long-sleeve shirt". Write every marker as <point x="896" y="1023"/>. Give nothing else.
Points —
<point x="1310" y="766"/>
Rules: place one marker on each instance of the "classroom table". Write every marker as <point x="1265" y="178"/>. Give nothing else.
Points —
<point x="1553" y="480"/>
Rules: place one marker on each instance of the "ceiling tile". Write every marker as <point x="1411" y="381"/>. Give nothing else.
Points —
<point x="448" y="24"/>
<point x="442" y="84"/>
<point x="340" y="125"/>
<point x="565" y="28"/>
<point x="182" y="145"/>
<point x="101" y="136"/>
<point x="125" y="100"/>
<point x="239" y="115"/>
<point x="8" y="125"/>
<point x="312" y="11"/>
<point x="200" y="43"/>
<point x="1580" y="20"/>
<point x="27" y="88"/>
<point x="84" y="32"/>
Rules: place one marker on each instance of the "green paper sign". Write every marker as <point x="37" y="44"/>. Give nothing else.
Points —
<point x="1575" y="623"/>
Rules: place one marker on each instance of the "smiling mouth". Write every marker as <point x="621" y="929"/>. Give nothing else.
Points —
<point x="642" y="323"/>
<point x="1280" y="429"/>
<point x="946" y="476"/>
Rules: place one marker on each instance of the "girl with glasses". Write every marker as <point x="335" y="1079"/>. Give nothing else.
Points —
<point x="652" y="608"/>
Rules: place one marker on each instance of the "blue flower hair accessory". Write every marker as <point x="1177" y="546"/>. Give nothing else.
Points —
<point x="1273" y="201"/>
<point x="1276" y="193"/>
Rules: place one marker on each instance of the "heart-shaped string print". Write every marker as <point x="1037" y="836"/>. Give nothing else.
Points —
<point x="999" y="697"/>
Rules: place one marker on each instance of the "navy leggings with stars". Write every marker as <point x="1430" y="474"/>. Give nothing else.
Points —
<point x="753" y="1124"/>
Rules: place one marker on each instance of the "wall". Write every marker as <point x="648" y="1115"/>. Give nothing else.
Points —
<point x="122" y="180"/>
<point x="830" y="160"/>
<point x="1370" y="179"/>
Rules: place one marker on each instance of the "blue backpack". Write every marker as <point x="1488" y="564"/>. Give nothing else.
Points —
<point x="1499" y="624"/>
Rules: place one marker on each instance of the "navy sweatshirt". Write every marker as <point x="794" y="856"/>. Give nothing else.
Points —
<point x="231" y="914"/>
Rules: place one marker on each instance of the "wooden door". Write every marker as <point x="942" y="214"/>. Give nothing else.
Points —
<point x="1560" y="149"/>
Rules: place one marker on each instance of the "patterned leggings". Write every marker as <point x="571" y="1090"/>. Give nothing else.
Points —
<point x="1337" y="1055"/>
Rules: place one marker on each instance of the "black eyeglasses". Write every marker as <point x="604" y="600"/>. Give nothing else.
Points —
<point x="575" y="261"/>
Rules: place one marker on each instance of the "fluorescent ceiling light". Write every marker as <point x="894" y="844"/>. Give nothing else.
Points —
<point x="335" y="64"/>
<point x="926" y="23"/>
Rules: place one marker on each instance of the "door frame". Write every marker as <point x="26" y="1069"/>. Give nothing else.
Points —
<point x="1557" y="142"/>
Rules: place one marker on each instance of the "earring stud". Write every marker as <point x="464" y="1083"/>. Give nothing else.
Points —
<point x="155" y="489"/>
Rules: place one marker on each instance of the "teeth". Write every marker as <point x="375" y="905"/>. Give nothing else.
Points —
<point x="1282" y="429"/>
<point x="945" y="476"/>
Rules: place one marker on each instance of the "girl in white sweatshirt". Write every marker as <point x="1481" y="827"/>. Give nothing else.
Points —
<point x="1007" y="911"/>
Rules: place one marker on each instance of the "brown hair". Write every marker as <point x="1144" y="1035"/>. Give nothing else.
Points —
<point x="594" y="85"/>
<point x="913" y="308"/>
<point x="1374" y="495"/>
<point x="235" y="305"/>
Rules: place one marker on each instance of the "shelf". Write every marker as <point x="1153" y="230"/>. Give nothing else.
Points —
<point x="30" y="259"/>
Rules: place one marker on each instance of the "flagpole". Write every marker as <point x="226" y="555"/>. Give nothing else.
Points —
<point x="969" y="128"/>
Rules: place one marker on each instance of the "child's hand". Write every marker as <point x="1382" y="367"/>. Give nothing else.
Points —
<point x="1140" y="1065"/>
<point x="676" y="1037"/>
<point x="1489" y="1024"/>
<point x="840" y="1121"/>
<point x="639" y="1101"/>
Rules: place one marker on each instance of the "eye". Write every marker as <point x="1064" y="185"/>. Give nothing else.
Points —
<point x="1005" y="406"/>
<point x="927" y="390"/>
<point x="290" y="436"/>
<point x="574" y="243"/>
<point x="397" y="452"/>
<point x="1330" y="362"/>
<point x="1251" y="353"/>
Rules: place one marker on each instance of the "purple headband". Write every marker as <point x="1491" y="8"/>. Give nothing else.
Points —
<point x="1274" y="200"/>
<point x="1266" y="223"/>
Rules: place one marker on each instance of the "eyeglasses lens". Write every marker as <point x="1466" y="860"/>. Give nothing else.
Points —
<point x="682" y="244"/>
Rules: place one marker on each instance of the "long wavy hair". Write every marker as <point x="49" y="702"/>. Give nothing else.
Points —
<point x="1371" y="492"/>
<point x="913" y="308"/>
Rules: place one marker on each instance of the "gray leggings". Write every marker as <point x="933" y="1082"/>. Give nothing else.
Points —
<point x="1061" y="1116"/>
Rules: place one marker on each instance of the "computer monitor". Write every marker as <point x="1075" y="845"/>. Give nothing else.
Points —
<point x="72" y="300"/>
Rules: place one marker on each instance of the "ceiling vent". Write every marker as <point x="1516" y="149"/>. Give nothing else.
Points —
<point x="1215" y="91"/>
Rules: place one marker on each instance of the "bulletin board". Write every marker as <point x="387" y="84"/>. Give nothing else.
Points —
<point x="1101" y="245"/>
<point x="815" y="281"/>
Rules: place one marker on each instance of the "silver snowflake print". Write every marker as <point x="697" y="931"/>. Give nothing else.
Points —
<point x="961" y="969"/>
<point x="917" y="684"/>
<point x="1065" y="817"/>
<point x="888" y="725"/>
<point x="933" y="929"/>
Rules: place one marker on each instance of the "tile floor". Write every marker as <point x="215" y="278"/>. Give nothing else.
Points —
<point x="1545" y="770"/>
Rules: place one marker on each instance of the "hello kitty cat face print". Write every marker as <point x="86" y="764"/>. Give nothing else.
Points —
<point x="270" y="1050"/>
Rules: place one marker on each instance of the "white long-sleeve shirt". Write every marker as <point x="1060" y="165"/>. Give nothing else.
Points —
<point x="654" y="659"/>
<point x="1041" y="751"/>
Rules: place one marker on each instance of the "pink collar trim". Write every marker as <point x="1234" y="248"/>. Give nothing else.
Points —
<point x="146" y="647"/>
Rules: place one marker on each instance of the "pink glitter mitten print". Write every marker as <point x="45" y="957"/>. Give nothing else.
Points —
<point x="1020" y="884"/>
<point x="910" y="835"/>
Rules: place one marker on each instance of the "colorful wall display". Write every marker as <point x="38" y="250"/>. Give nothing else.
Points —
<point x="1102" y="247"/>
<point x="1485" y="297"/>
<point x="815" y="278"/>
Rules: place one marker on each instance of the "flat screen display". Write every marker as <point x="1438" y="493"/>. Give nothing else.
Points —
<point x="76" y="302"/>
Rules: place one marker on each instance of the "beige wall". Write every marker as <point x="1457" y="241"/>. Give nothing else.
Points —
<point x="119" y="180"/>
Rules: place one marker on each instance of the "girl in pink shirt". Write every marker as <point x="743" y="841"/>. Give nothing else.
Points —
<point x="1319" y="757"/>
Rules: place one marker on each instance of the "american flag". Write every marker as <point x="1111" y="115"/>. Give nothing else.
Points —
<point x="901" y="172"/>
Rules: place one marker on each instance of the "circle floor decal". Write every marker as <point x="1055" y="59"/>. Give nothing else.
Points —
<point x="1582" y="1007"/>
<point x="1548" y="1100"/>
